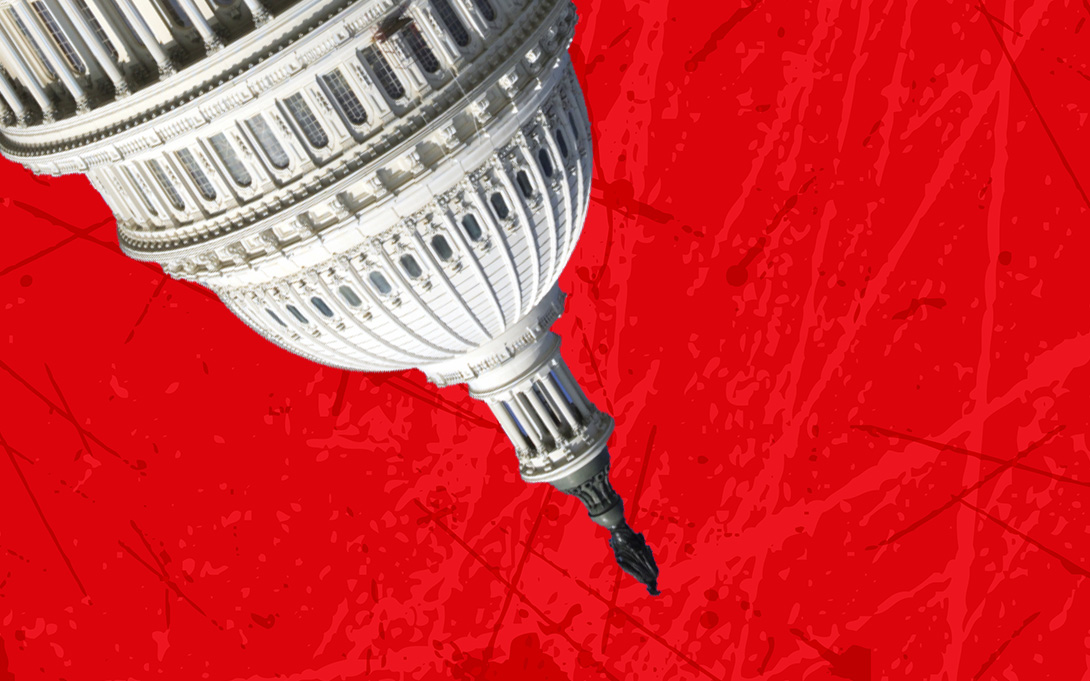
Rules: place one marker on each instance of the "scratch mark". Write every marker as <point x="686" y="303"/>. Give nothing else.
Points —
<point x="1025" y="88"/>
<point x="68" y="410"/>
<point x="999" y="651"/>
<point x="553" y="625"/>
<point x="717" y="35"/>
<point x="41" y="514"/>
<point x="959" y="497"/>
<point x="489" y="649"/>
<point x="1068" y="564"/>
<point x="943" y="447"/>
<point x="147" y="306"/>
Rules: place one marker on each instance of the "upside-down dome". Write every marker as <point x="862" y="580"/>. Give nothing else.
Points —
<point x="372" y="184"/>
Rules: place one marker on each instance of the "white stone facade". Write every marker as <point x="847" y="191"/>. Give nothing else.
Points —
<point x="372" y="184"/>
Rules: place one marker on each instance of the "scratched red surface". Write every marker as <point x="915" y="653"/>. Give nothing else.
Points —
<point x="832" y="286"/>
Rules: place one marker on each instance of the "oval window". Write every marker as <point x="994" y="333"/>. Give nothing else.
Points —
<point x="524" y="184"/>
<point x="320" y="305"/>
<point x="562" y="143"/>
<point x="500" y="206"/>
<point x="412" y="268"/>
<point x="472" y="227"/>
<point x="297" y="314"/>
<point x="380" y="283"/>
<point x="349" y="296"/>
<point x="278" y="320"/>
<point x="545" y="161"/>
<point x="442" y="247"/>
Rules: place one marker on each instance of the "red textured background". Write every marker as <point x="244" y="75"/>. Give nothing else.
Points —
<point x="834" y="275"/>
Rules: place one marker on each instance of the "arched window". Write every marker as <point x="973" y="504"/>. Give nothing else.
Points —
<point x="167" y="185"/>
<point x="412" y="268"/>
<point x="320" y="305"/>
<point x="346" y="99"/>
<point x="306" y="121"/>
<point x="230" y="159"/>
<point x="545" y="162"/>
<point x="349" y="296"/>
<point x="380" y="283"/>
<point x="562" y="143"/>
<point x="472" y="227"/>
<point x="486" y="9"/>
<point x="417" y="47"/>
<point x="453" y="23"/>
<point x="385" y="75"/>
<point x="500" y="206"/>
<point x="268" y="142"/>
<point x="524" y="183"/>
<point x="441" y="247"/>
<point x="204" y="185"/>
<point x="50" y="23"/>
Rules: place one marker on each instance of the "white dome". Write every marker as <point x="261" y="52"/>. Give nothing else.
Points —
<point x="374" y="185"/>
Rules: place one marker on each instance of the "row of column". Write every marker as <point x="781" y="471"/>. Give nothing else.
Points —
<point x="51" y="52"/>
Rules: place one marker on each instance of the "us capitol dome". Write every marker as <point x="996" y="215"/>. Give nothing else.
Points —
<point x="375" y="185"/>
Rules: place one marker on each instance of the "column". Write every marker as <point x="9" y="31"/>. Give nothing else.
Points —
<point x="11" y="97"/>
<point x="83" y="103"/>
<point x="211" y="40"/>
<point x="26" y="77"/>
<point x="260" y="14"/>
<point x="90" y="38"/>
<point x="144" y="34"/>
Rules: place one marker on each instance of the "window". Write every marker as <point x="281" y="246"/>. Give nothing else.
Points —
<point x="472" y="227"/>
<point x="50" y="23"/>
<point x="500" y="206"/>
<point x="380" y="283"/>
<point x="231" y="160"/>
<point x="574" y="127"/>
<point x="320" y="305"/>
<point x="545" y="162"/>
<point x="92" y="20"/>
<point x="26" y="36"/>
<point x="277" y="319"/>
<point x="412" y="268"/>
<point x="166" y="184"/>
<point x="385" y="75"/>
<point x="304" y="117"/>
<point x="269" y="144"/>
<point x="562" y="143"/>
<point x="450" y="19"/>
<point x="417" y="47"/>
<point x="349" y="296"/>
<point x="524" y="184"/>
<point x="441" y="247"/>
<point x="189" y="162"/>
<point x="140" y="190"/>
<point x="297" y="314"/>
<point x="486" y="9"/>
<point x="346" y="99"/>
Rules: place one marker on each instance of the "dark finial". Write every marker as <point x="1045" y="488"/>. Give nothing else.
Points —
<point x="591" y="486"/>
<point x="634" y="556"/>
